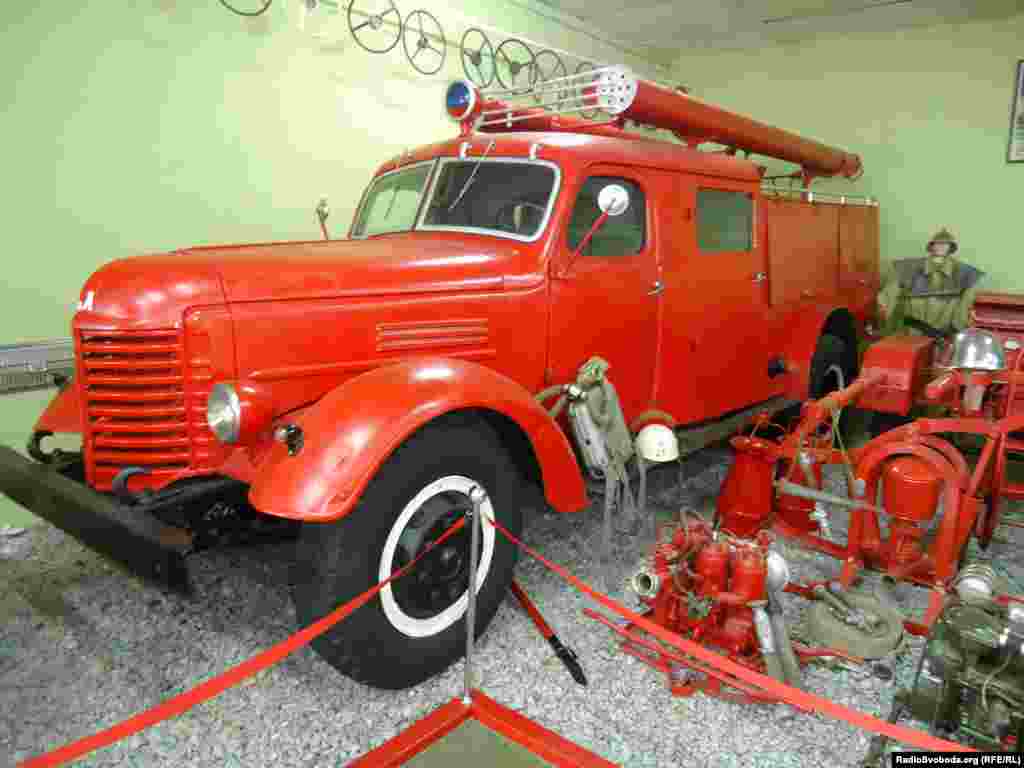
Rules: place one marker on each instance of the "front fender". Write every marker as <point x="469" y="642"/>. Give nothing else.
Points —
<point x="63" y="414"/>
<point x="352" y="431"/>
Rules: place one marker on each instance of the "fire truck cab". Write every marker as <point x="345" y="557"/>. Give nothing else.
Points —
<point x="363" y="387"/>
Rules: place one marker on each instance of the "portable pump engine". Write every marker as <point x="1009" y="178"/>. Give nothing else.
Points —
<point x="723" y="592"/>
<point x="969" y="680"/>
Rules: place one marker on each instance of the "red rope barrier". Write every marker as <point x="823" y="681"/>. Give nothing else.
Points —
<point x="205" y="691"/>
<point x="214" y="687"/>
<point x="808" y="702"/>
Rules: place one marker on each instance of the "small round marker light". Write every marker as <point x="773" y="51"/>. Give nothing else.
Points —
<point x="460" y="100"/>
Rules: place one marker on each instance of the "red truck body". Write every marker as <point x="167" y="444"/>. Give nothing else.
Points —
<point x="335" y="355"/>
<point x="296" y="320"/>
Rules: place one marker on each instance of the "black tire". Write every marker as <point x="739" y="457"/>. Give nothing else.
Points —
<point x="832" y="367"/>
<point x="831" y="360"/>
<point x="338" y="561"/>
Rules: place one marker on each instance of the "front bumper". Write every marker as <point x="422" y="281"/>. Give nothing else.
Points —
<point x="136" y="539"/>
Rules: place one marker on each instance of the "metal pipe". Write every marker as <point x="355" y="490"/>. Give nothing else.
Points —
<point x="818" y="193"/>
<point x="803" y="492"/>
<point x="545" y="105"/>
<point x="780" y="633"/>
<point x="646" y="583"/>
<point x="592" y="74"/>
<point x="520" y="118"/>
<point x="765" y="638"/>
<point x="477" y="496"/>
<point x="669" y="109"/>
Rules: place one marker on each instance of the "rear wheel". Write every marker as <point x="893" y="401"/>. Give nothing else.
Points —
<point x="832" y="368"/>
<point x="413" y="629"/>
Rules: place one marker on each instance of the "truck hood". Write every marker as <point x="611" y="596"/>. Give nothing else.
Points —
<point x="153" y="291"/>
<point x="402" y="263"/>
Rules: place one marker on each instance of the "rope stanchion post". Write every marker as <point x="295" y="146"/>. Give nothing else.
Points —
<point x="477" y="496"/>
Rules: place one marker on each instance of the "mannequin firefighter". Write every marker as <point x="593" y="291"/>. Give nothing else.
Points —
<point x="930" y="295"/>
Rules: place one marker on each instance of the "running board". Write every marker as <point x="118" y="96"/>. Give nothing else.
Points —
<point x="693" y="438"/>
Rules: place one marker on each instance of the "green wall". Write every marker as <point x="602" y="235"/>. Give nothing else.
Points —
<point x="928" y="111"/>
<point x="145" y="126"/>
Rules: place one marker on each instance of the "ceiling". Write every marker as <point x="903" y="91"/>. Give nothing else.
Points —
<point x="664" y="27"/>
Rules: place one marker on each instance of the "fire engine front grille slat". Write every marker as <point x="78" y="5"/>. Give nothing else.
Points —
<point x="140" y="457"/>
<point x="110" y="363"/>
<point x="115" y="348"/>
<point x="137" y="412"/>
<point x="143" y="442"/>
<point x="133" y="390"/>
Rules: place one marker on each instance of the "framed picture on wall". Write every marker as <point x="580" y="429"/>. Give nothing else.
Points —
<point x="1015" y="152"/>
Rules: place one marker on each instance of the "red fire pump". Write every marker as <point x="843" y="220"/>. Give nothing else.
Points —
<point x="724" y="593"/>
<point x="912" y="480"/>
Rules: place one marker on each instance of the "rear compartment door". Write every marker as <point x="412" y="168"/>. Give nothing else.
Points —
<point x="858" y="254"/>
<point x="804" y="248"/>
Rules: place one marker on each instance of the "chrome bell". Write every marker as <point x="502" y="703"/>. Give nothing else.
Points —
<point x="977" y="350"/>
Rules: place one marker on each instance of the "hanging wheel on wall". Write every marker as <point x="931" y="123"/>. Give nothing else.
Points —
<point x="477" y="55"/>
<point x="549" y="66"/>
<point x="514" y="65"/>
<point x="580" y="86"/>
<point x="425" y="54"/>
<point x="253" y="12"/>
<point x="378" y="31"/>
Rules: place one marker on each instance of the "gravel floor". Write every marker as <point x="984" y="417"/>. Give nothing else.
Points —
<point x="84" y="646"/>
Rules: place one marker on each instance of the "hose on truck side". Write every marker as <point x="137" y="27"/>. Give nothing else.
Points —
<point x="594" y="393"/>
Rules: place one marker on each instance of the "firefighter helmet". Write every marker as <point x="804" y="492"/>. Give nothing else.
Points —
<point x="943" y="236"/>
<point x="657" y="443"/>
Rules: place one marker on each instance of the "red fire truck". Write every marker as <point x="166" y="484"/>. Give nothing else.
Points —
<point x="362" y="387"/>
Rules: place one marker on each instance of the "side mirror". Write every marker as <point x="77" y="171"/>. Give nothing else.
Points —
<point x="613" y="200"/>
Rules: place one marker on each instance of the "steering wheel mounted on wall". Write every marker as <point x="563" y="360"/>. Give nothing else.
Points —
<point x="477" y="55"/>
<point x="258" y="12"/>
<point x="515" y="65"/>
<point x="414" y="23"/>
<point x="373" y="31"/>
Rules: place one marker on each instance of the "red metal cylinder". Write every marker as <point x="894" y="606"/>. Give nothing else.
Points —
<point x="749" y="571"/>
<point x="910" y="489"/>
<point x="687" y="116"/>
<point x="745" y="501"/>
<point x="792" y="513"/>
<point x="712" y="566"/>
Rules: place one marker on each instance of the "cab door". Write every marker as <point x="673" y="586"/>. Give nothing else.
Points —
<point x="719" y="340"/>
<point x="605" y="301"/>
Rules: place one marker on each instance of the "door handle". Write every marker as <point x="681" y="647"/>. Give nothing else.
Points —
<point x="760" y="277"/>
<point x="656" y="288"/>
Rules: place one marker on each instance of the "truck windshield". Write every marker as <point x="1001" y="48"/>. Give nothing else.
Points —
<point x="392" y="202"/>
<point x="509" y="198"/>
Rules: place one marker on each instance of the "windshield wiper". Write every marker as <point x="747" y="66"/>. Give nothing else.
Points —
<point x="472" y="177"/>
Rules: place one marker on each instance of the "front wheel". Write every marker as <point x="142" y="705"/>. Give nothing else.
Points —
<point x="413" y="629"/>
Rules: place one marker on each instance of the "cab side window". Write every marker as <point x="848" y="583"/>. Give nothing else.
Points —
<point x="725" y="220"/>
<point x="622" y="235"/>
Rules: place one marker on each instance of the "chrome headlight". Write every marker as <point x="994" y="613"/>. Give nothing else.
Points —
<point x="224" y="413"/>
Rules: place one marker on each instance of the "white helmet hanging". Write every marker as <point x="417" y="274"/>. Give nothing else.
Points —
<point x="657" y="443"/>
